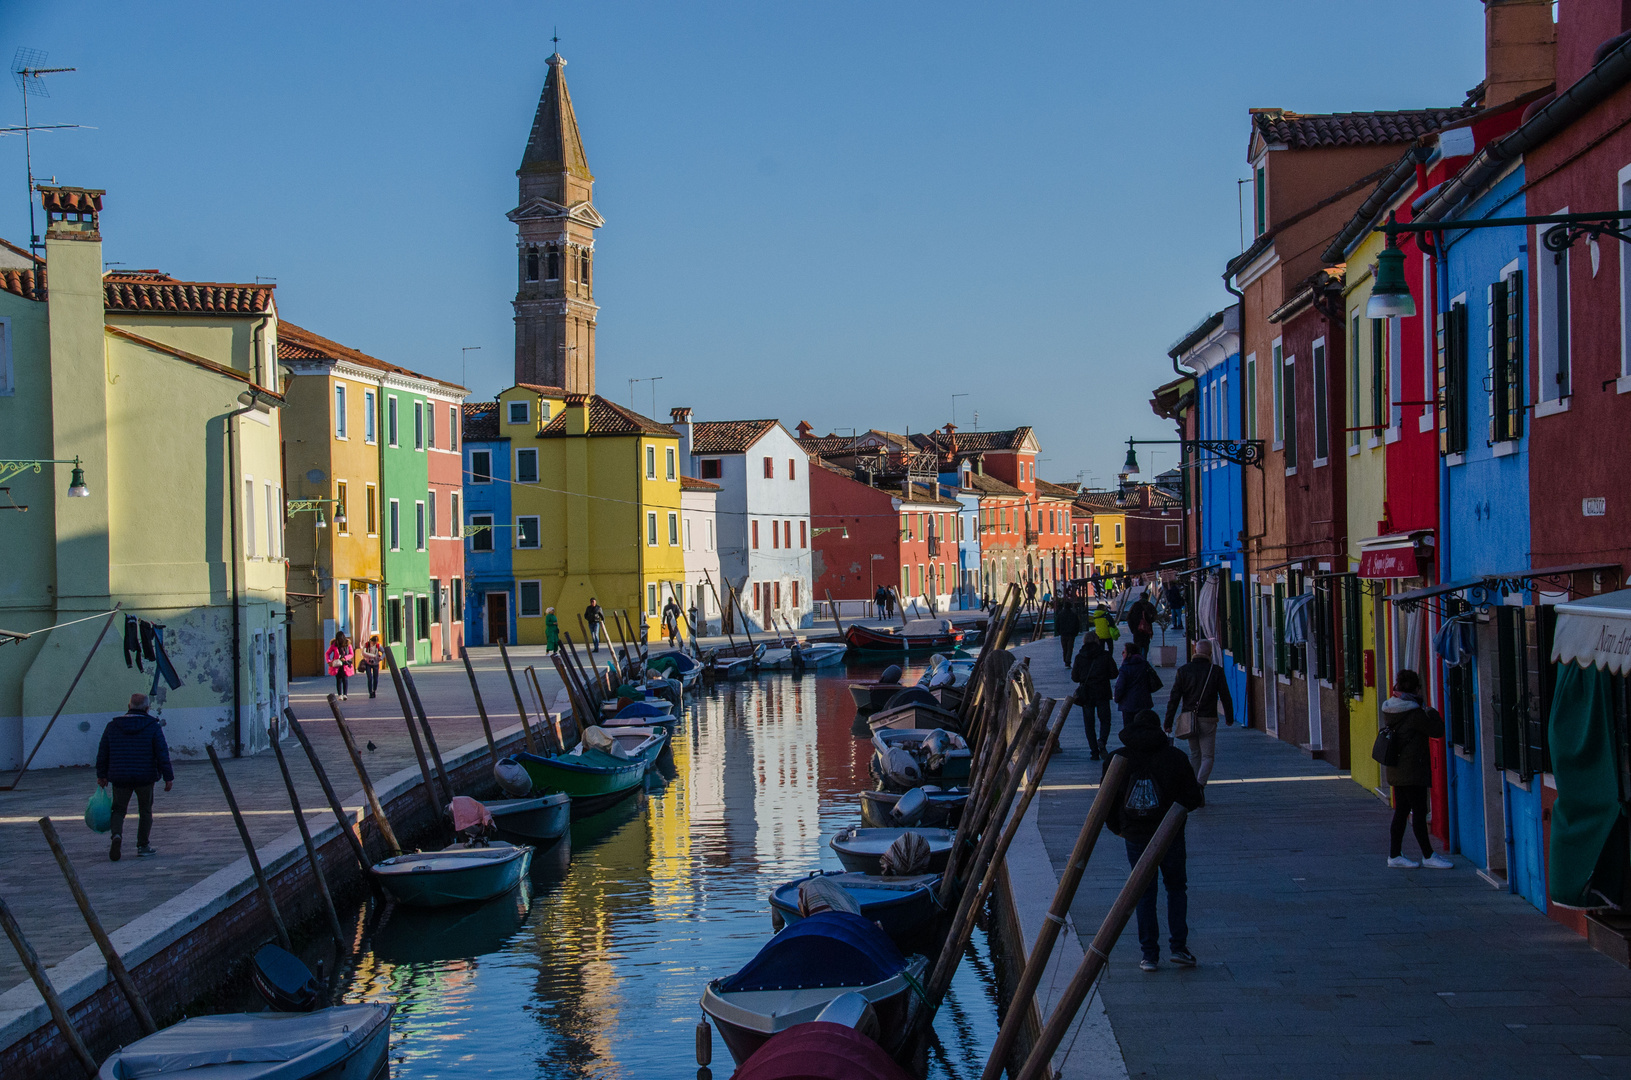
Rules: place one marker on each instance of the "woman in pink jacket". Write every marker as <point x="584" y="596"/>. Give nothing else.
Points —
<point x="339" y="658"/>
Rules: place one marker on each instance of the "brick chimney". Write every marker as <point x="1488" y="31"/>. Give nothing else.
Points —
<point x="1519" y="49"/>
<point x="680" y="421"/>
<point x="804" y="429"/>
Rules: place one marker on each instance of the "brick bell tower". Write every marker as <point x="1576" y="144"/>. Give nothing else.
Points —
<point x="555" y="223"/>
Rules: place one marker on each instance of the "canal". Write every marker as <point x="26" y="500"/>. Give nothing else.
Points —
<point x="594" y="968"/>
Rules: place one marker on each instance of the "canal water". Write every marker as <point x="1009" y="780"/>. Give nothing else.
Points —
<point x="595" y="967"/>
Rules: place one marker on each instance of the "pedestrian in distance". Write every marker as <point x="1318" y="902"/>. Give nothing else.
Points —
<point x="373" y="655"/>
<point x="1410" y="725"/>
<point x="671" y="620"/>
<point x="1136" y="684"/>
<point x="1198" y="692"/>
<point x="1067" y="624"/>
<point x="132" y="757"/>
<point x="552" y="632"/>
<point x="1095" y="674"/>
<point x="341" y="659"/>
<point x="1175" y="604"/>
<point x="593" y="616"/>
<point x="1030" y="594"/>
<point x="1103" y="625"/>
<point x="1158" y="775"/>
<point x="1141" y="621"/>
<point x="880" y="601"/>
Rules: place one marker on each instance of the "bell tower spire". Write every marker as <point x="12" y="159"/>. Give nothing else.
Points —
<point x="555" y="308"/>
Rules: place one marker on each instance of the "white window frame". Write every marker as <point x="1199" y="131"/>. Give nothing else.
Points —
<point x="688" y="534"/>
<point x="393" y="421"/>
<point x="249" y="518"/>
<point x="673" y="463"/>
<point x="1395" y="379"/>
<point x="533" y="453"/>
<point x="339" y="411"/>
<point x="521" y="532"/>
<point x="452" y="427"/>
<point x="1277" y="363"/>
<point x="475" y="478"/>
<point x="1118" y="534"/>
<point x="420" y="540"/>
<point x="521" y="600"/>
<point x="509" y="412"/>
<point x="393" y="524"/>
<point x="370" y="423"/>
<point x="419" y="426"/>
<point x="272" y="529"/>
<point x="651" y="461"/>
<point x="1250" y="419"/>
<point x="342" y="605"/>
<point x="1319" y="389"/>
<point x="453" y="518"/>
<point x="651" y="528"/>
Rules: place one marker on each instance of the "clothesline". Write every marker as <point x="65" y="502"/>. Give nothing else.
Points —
<point x="70" y="622"/>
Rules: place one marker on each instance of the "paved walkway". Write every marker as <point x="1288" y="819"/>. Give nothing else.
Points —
<point x="1315" y="958"/>
<point x="193" y="830"/>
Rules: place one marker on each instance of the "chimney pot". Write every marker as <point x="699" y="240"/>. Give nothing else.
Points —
<point x="680" y="415"/>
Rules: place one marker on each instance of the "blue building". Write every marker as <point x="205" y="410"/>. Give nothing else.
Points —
<point x="955" y="484"/>
<point x="1212" y="351"/>
<point x="489" y="580"/>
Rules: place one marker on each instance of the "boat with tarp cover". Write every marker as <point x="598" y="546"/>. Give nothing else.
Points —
<point x="346" y="1042"/>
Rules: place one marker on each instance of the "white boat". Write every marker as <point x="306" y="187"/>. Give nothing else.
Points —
<point x="861" y="850"/>
<point x="347" y="1042"/>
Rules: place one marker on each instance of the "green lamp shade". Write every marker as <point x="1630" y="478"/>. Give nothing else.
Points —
<point x="1390" y="295"/>
<point x="76" y="485"/>
<point x="1130" y="466"/>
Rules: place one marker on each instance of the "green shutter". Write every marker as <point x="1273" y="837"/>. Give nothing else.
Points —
<point x="1237" y="622"/>
<point x="1353" y="675"/>
<point x="1508" y="693"/>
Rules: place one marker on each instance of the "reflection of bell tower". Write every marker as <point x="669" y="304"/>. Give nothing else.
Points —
<point x="555" y="224"/>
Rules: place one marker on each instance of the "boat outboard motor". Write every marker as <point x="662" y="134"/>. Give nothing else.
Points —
<point x="512" y="778"/>
<point x="853" y="1011"/>
<point x="909" y="808"/>
<point x="283" y="980"/>
<point x="900" y="768"/>
<point x="890" y="676"/>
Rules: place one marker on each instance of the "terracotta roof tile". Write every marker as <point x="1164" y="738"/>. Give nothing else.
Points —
<point x="605" y="418"/>
<point x="1303" y="131"/>
<point x="151" y="290"/>
<point x="1054" y="491"/>
<point x="546" y="391"/>
<point x="990" y="485"/>
<point x="22" y="283"/>
<point x="967" y="442"/>
<point x="727" y="436"/>
<point x="298" y="343"/>
<point x="691" y="483"/>
<point x="825" y="445"/>
<point x="480" y="420"/>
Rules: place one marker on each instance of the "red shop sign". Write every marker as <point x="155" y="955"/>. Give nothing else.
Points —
<point x="1390" y="562"/>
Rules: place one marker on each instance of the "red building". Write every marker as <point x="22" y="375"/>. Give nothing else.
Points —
<point x="877" y="528"/>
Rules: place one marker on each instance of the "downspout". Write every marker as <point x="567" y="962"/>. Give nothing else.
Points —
<point x="237" y="594"/>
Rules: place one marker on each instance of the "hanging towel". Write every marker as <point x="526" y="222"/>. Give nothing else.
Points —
<point x="1296" y="616"/>
<point x="1454" y="641"/>
<point x="133" y="643"/>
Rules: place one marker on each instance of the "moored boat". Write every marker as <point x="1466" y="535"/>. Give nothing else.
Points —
<point x="821" y="1050"/>
<point x="346" y="1042"/>
<point x="940" y="754"/>
<point x="906" y="907"/>
<point x="539" y="821"/>
<point x="460" y="874"/>
<point x="943" y="808"/>
<point x="594" y="778"/>
<point x="861" y="850"/>
<point x="916" y="714"/>
<point x="921" y="635"/>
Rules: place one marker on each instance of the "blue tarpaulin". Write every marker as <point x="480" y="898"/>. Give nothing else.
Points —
<point x="830" y="948"/>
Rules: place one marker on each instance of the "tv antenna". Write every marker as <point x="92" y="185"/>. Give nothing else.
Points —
<point x="28" y="70"/>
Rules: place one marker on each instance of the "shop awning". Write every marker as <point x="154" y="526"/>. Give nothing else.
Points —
<point x="1595" y="632"/>
<point x="1396" y="555"/>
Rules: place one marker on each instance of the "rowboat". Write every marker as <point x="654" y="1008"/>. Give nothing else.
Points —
<point x="937" y="808"/>
<point x="538" y="821"/>
<point x="801" y="970"/>
<point x="941" y="757"/>
<point x="861" y="849"/>
<point x="904" y="906"/>
<point x="346" y="1042"/>
<point x="460" y="874"/>
<point x="595" y="779"/>
<point x="921" y="635"/>
<point x="686" y="668"/>
<point x="916" y="714"/>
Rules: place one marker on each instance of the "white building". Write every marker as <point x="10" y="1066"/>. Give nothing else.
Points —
<point x="700" y="540"/>
<point x="763" y="511"/>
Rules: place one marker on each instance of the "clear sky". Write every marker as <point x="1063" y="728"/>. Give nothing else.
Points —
<point x="837" y="212"/>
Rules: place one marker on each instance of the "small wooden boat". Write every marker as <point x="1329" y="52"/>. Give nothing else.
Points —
<point x="686" y="668"/>
<point x="819" y="654"/>
<point x="922" y="635"/>
<point x="872" y="696"/>
<point x="906" y="907"/>
<point x="944" y="808"/>
<point x="538" y="821"/>
<point x="460" y="874"/>
<point x="861" y="849"/>
<point x="916" y="714"/>
<point x="346" y="1042"/>
<point x="801" y="970"/>
<point x="947" y="764"/>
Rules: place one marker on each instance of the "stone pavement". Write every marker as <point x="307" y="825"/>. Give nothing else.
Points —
<point x="1315" y="957"/>
<point x="193" y="830"/>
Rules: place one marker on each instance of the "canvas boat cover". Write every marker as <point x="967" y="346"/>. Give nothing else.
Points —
<point x="644" y="709"/>
<point x="908" y="856"/>
<point x="328" y="1035"/>
<point x="928" y="627"/>
<point x="820" y="1050"/>
<point x="830" y="948"/>
<point x="820" y="894"/>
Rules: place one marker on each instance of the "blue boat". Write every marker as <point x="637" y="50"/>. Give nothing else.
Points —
<point x="457" y="875"/>
<point x="905" y="907"/>
<point x="539" y="821"/>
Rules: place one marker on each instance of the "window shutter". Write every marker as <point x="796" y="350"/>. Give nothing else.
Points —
<point x="1444" y="389"/>
<point x="1540" y="622"/>
<point x="1237" y="620"/>
<point x="1514" y="354"/>
<point x="1495" y="306"/>
<point x="1280" y="665"/>
<point x="1353" y="675"/>
<point x="1509" y="655"/>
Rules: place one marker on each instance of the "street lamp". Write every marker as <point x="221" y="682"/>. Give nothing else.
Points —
<point x="1390" y="295"/>
<point x="17" y="466"/>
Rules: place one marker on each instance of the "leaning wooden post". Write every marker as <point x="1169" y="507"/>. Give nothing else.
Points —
<point x="430" y="736"/>
<point x="481" y="708"/>
<point x="311" y="848"/>
<point x="1098" y="953"/>
<point x="580" y="708"/>
<point x="116" y="966"/>
<point x="63" y="704"/>
<point x="591" y="697"/>
<point x="718" y="604"/>
<point x="526" y="727"/>
<point x="1054" y="921"/>
<point x="249" y="848"/>
<point x="380" y="820"/>
<point x="347" y="826"/>
<point x="552" y="731"/>
<point x="834" y="605"/>
<point x="42" y="983"/>
<point x="628" y="661"/>
<point x="413" y="726"/>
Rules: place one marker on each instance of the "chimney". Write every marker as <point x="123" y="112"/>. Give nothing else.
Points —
<point x="681" y="415"/>
<point x="577" y="414"/>
<point x="804" y="429"/>
<point x="680" y="421"/>
<point x="1519" y="49"/>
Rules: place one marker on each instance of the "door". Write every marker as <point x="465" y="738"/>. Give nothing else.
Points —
<point x="447" y="624"/>
<point x="410" y="635"/>
<point x="1316" y="738"/>
<point x="1271" y="674"/>
<point x="498" y="618"/>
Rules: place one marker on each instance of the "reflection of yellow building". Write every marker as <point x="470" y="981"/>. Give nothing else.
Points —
<point x="595" y="501"/>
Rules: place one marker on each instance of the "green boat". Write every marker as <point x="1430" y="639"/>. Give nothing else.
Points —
<point x="592" y="778"/>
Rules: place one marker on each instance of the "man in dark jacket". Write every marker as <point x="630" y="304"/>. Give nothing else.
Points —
<point x="1413" y="726"/>
<point x="1095" y="674"/>
<point x="1136" y="684"/>
<point x="1141" y="621"/>
<point x="671" y="620"/>
<point x="132" y="757"/>
<point x="1067" y="625"/>
<point x="1159" y="776"/>
<point x="593" y="617"/>
<point x="1200" y="688"/>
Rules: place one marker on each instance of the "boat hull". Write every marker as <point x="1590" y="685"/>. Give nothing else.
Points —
<point x="457" y="875"/>
<point x="539" y="821"/>
<point x="870" y="697"/>
<point x="905" y="908"/>
<point x="363" y="1057"/>
<point x="916" y="714"/>
<point x="860" y="850"/>
<point x="592" y="788"/>
<point x="944" y="809"/>
<point x="866" y="640"/>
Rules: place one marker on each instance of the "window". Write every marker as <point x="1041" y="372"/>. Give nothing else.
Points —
<point x="418" y="425"/>
<point x="770" y="468"/>
<point x="372" y="498"/>
<point x="1288" y="398"/>
<point x="430" y="505"/>
<point x="1553" y="336"/>
<point x="519" y="411"/>
<point x="1378" y="373"/>
<point x="651" y="528"/>
<point x="1322" y="414"/>
<point x="394" y="526"/>
<point x="341" y="522"/>
<point x="651" y="462"/>
<point x="1250" y="419"/>
<point x="526" y="531"/>
<point x="1096" y="540"/>
<point x="754" y="529"/>
<point x="532" y="599"/>
<point x="1506" y="365"/>
<point x="393" y="620"/>
<point x="435" y="600"/>
<point x="552" y="264"/>
<point x="673" y="470"/>
<point x="390" y="419"/>
<point x="775" y="533"/>
<point x="710" y="534"/>
<point x="419" y="525"/>
<point x="526" y="466"/>
<point x="673" y="529"/>
<point x="1260" y="218"/>
<point x="795" y="587"/>
<point x="687" y="534"/>
<point x="804" y="540"/>
<point x="483" y="540"/>
<point x="583" y="269"/>
<point x="1354" y="421"/>
<point x="792" y="473"/>
<point x="249" y="518"/>
<point x="1172" y="535"/>
<point x="274" y="522"/>
<point x="453" y="516"/>
<point x="651" y="599"/>
<point x="710" y="468"/>
<point x="458" y="599"/>
<point x="1524" y="691"/>
<point x="1277" y="388"/>
<point x="1118" y="534"/>
<point x="422" y="618"/>
<point x="342" y="606"/>
<point x="339" y="410"/>
<point x="1452" y="375"/>
<point x="369" y="434"/>
<point x="452" y="427"/>
<point x="481" y="466"/>
<point x="532" y="264"/>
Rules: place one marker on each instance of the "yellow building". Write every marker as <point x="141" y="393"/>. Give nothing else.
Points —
<point x="595" y="509"/>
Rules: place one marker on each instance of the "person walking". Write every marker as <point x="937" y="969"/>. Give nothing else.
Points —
<point x="552" y="632"/>
<point x="1095" y="674"/>
<point x="1158" y="775"/>
<point x="1409" y="725"/>
<point x="340" y="658"/>
<point x="1067" y="624"/>
<point x="132" y="757"/>
<point x="880" y="601"/>
<point x="1198" y="691"/>
<point x="373" y="655"/>
<point x="671" y="621"/>
<point x="1175" y="603"/>
<point x="593" y="616"/>
<point x="1141" y="621"/>
<point x="1136" y="684"/>
<point x="1030" y="594"/>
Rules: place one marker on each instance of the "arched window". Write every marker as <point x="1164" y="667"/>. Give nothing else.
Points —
<point x="532" y="264"/>
<point x="583" y="269"/>
<point x="552" y="260"/>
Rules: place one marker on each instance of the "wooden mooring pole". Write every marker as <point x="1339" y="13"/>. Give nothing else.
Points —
<point x="520" y="706"/>
<point x="380" y="820"/>
<point x="481" y="708"/>
<point x="311" y="848"/>
<point x="347" y="825"/>
<point x="42" y="983"/>
<point x="249" y="849"/>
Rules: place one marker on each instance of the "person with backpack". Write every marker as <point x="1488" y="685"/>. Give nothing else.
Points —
<point x="1095" y="674"/>
<point x="1159" y="775"/>
<point x="1409" y="726"/>
<point x="1067" y="624"/>
<point x="1136" y="683"/>
<point x="1141" y="621"/>
<point x="1197" y="692"/>
<point x="1104" y="625"/>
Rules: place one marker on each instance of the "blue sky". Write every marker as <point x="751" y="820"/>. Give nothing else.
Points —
<point x="838" y="212"/>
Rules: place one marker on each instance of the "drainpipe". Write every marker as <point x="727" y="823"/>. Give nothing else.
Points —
<point x="237" y="594"/>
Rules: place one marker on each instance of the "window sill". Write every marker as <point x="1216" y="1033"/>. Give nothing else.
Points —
<point x="1552" y="407"/>
<point x="1453" y="460"/>
<point x="1320" y="463"/>
<point x="1393" y="435"/>
<point x="1353" y="451"/>
<point x="1424" y="423"/>
<point x="1622" y="385"/>
<point x="1373" y="442"/>
<point x="1512" y="778"/>
<point x="1292" y="471"/>
<point x="1505" y="448"/>
<point x="1277" y="444"/>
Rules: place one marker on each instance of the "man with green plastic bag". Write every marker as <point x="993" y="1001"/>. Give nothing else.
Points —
<point x="132" y="757"/>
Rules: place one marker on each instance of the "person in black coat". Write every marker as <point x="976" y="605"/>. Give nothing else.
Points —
<point x="1413" y="726"/>
<point x="1159" y="776"/>
<point x="1136" y="684"/>
<point x="1067" y="624"/>
<point x="1095" y="674"/>
<point x="593" y="616"/>
<point x="1201" y="688"/>
<point x="132" y="756"/>
<point x="1141" y="621"/>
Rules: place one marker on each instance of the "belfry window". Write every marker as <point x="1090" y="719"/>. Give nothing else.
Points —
<point x="532" y="264"/>
<point x="552" y="268"/>
<point x="583" y="268"/>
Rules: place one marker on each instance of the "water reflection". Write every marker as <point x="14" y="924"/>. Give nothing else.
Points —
<point x="593" y="969"/>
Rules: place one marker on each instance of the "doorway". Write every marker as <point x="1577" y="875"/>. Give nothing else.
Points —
<point x="498" y="618"/>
